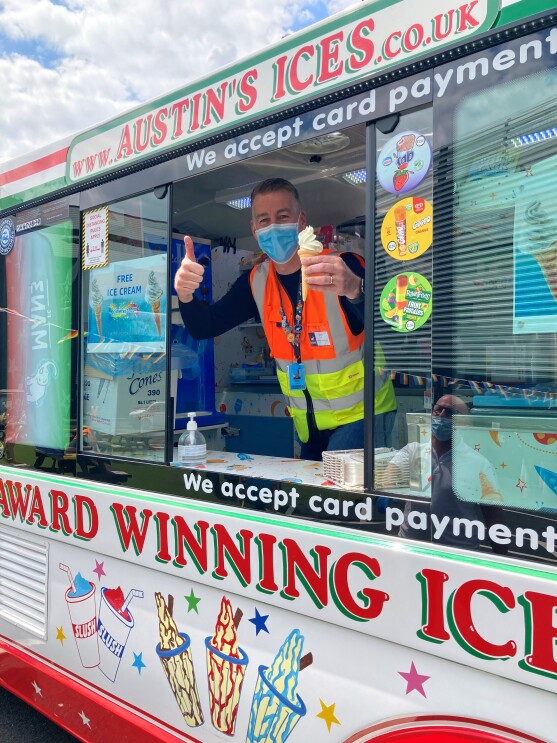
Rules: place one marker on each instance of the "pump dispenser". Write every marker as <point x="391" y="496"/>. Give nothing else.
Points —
<point x="192" y="447"/>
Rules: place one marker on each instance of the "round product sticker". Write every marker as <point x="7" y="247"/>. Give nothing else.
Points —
<point x="405" y="302"/>
<point x="407" y="230"/>
<point x="404" y="162"/>
<point x="7" y="235"/>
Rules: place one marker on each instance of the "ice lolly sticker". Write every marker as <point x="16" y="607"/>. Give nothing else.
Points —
<point x="404" y="162"/>
<point x="80" y="599"/>
<point x="175" y="653"/>
<point x="405" y="302"/>
<point x="114" y="626"/>
<point x="276" y="707"/>
<point x="226" y="667"/>
<point x="407" y="229"/>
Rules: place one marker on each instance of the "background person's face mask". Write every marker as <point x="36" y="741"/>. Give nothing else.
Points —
<point x="279" y="241"/>
<point x="442" y="428"/>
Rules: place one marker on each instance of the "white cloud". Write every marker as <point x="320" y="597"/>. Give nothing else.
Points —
<point x="106" y="56"/>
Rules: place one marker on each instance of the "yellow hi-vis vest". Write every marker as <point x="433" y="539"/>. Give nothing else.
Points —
<point x="332" y="356"/>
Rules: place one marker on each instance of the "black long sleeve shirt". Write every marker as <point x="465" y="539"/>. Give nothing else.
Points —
<point x="238" y="305"/>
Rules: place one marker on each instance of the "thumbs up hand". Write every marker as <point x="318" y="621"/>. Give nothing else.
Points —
<point x="190" y="274"/>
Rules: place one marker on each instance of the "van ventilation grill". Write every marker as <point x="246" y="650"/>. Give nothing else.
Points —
<point x="23" y="581"/>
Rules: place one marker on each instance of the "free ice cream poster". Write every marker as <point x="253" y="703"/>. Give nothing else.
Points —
<point x="535" y="251"/>
<point x="127" y="306"/>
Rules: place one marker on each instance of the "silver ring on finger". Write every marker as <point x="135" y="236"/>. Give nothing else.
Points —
<point x="331" y="280"/>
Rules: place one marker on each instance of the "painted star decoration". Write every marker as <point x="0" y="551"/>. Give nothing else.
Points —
<point x="60" y="635"/>
<point x="259" y="620"/>
<point x="521" y="485"/>
<point x="328" y="714"/>
<point x="192" y="602"/>
<point x="99" y="569"/>
<point x="138" y="662"/>
<point x="414" y="681"/>
<point x="84" y="719"/>
<point x="37" y="688"/>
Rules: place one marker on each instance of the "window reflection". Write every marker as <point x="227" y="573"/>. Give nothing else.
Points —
<point x="125" y="302"/>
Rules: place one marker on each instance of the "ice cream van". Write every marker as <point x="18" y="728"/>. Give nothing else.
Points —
<point x="401" y="587"/>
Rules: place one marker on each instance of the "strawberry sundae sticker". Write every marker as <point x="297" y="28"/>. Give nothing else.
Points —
<point x="404" y="162"/>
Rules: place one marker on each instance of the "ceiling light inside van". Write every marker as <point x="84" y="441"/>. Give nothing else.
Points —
<point x="534" y="137"/>
<point x="244" y="202"/>
<point x="356" y="177"/>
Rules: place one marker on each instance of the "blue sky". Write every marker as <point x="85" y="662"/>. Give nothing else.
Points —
<point x="67" y="65"/>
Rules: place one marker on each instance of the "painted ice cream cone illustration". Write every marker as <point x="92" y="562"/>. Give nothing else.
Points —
<point x="175" y="653"/>
<point x="154" y="294"/>
<point x="96" y="301"/>
<point x="489" y="492"/>
<point x="400" y="296"/>
<point x="308" y="245"/>
<point x="276" y="707"/>
<point x="226" y="667"/>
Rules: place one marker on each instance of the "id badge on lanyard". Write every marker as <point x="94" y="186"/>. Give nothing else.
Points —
<point x="296" y="376"/>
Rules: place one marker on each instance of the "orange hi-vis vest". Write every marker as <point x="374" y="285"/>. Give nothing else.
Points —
<point x="332" y="355"/>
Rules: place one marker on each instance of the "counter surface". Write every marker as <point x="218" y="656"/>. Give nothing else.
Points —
<point x="273" y="468"/>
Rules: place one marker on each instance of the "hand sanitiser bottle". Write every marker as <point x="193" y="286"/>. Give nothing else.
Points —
<point x="192" y="447"/>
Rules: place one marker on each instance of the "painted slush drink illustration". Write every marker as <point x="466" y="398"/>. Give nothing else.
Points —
<point x="226" y="667"/>
<point x="114" y="627"/>
<point x="175" y="655"/>
<point x="276" y="707"/>
<point x="82" y="608"/>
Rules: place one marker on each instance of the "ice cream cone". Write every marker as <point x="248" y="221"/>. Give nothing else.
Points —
<point x="175" y="655"/>
<point x="156" y="309"/>
<point x="154" y="295"/>
<point x="226" y="667"/>
<point x="276" y="706"/>
<point x="547" y="261"/>
<point x="309" y="246"/>
<point x="98" y="318"/>
<point x="488" y="490"/>
<point x="302" y="254"/>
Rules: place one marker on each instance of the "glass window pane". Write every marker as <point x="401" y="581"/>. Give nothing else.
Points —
<point x="494" y="341"/>
<point x="35" y="402"/>
<point x="125" y="310"/>
<point x="402" y="314"/>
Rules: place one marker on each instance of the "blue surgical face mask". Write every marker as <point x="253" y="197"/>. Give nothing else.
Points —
<point x="279" y="241"/>
<point x="442" y="428"/>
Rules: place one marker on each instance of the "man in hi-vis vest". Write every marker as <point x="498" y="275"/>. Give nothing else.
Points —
<point x="317" y="343"/>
